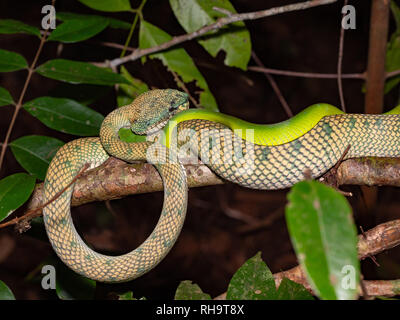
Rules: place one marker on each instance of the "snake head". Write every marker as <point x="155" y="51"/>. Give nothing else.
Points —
<point x="155" y="107"/>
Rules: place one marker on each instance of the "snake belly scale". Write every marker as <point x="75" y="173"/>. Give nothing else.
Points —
<point x="313" y="140"/>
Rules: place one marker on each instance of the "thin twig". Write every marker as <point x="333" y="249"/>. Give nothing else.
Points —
<point x="36" y="212"/>
<point x="274" y="86"/>
<point x="22" y="95"/>
<point x="339" y="65"/>
<point x="313" y="75"/>
<point x="182" y="85"/>
<point x="221" y="22"/>
<point x="316" y="75"/>
<point x="138" y="13"/>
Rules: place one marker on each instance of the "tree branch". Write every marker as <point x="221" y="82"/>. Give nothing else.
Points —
<point x="221" y="22"/>
<point x="116" y="179"/>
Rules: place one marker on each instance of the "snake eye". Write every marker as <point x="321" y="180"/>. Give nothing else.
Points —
<point x="173" y="106"/>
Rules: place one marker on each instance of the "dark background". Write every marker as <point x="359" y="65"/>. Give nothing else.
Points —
<point x="212" y="245"/>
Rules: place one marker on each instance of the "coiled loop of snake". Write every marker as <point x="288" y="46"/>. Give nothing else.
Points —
<point x="270" y="157"/>
<point x="145" y="114"/>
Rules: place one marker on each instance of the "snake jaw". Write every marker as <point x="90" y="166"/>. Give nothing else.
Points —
<point x="158" y="126"/>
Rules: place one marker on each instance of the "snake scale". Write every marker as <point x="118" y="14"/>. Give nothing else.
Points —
<point x="256" y="156"/>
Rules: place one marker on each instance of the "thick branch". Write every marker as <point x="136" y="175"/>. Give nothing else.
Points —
<point x="383" y="237"/>
<point x="116" y="179"/>
<point x="379" y="27"/>
<point x="221" y="22"/>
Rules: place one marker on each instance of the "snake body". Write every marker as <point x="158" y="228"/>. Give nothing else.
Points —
<point x="264" y="157"/>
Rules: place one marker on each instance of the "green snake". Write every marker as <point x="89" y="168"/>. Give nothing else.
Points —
<point x="256" y="156"/>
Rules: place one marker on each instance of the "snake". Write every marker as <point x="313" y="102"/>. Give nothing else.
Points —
<point x="169" y="134"/>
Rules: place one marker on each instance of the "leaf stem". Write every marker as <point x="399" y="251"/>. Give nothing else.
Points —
<point x="138" y="13"/>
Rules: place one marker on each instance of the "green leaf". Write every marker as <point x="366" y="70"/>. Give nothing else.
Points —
<point x="324" y="237"/>
<point x="65" y="115"/>
<point x="392" y="61"/>
<point x="190" y="291"/>
<point x="5" y="292"/>
<point x="253" y="281"/>
<point x="11" y="61"/>
<point x="290" y="290"/>
<point x="136" y="86"/>
<point x="112" y="22"/>
<point x="70" y="285"/>
<point x="176" y="60"/>
<point x="108" y="5"/>
<point x="123" y="100"/>
<point x="234" y="39"/>
<point x="14" y="191"/>
<point x="76" y="30"/>
<point x="396" y="14"/>
<point x="118" y="24"/>
<point x="126" y="134"/>
<point x="5" y="97"/>
<point x="79" y="72"/>
<point x="9" y="26"/>
<point x="128" y="296"/>
<point x="34" y="153"/>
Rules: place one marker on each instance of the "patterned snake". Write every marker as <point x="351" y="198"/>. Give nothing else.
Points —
<point x="255" y="156"/>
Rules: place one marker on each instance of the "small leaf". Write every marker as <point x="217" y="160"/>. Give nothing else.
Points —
<point x="136" y="86"/>
<point x="123" y="100"/>
<point x="392" y="61"/>
<point x="112" y="22"/>
<point x="190" y="291"/>
<point x="14" y="191"/>
<point x="324" y="237"/>
<point x="79" y="72"/>
<point x="11" y="61"/>
<point x="118" y="24"/>
<point x="128" y="296"/>
<point x="5" y="97"/>
<point x="65" y="115"/>
<point x="126" y="134"/>
<point x="290" y="290"/>
<point x="396" y="14"/>
<point x="9" y="26"/>
<point x="72" y="286"/>
<point x="34" y="153"/>
<point x="108" y="5"/>
<point x="177" y="60"/>
<point x="5" y="292"/>
<point x="253" y="281"/>
<point x="234" y="39"/>
<point x="78" y="29"/>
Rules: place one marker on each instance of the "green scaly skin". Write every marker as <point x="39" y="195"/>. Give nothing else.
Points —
<point x="272" y="157"/>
